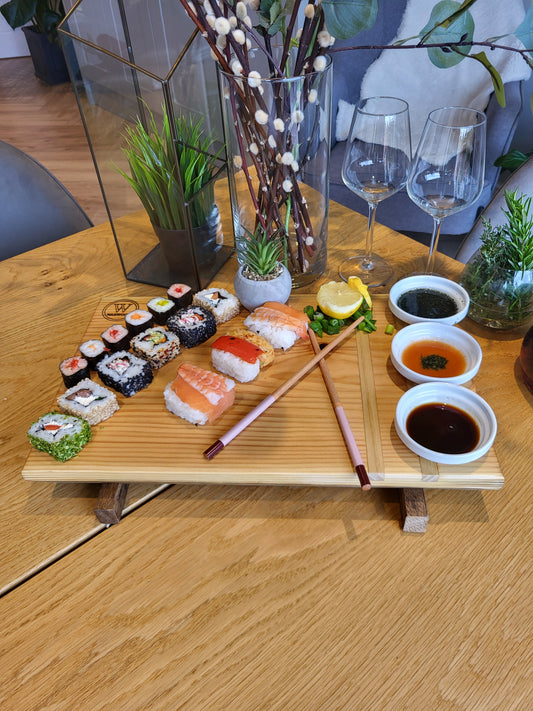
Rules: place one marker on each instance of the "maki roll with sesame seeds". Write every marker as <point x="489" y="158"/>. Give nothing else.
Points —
<point x="116" y="338"/>
<point x="223" y="305"/>
<point x="90" y="401"/>
<point x="93" y="351"/>
<point x="60" y="436"/>
<point x="180" y="294"/>
<point x="138" y="321"/>
<point x="156" y="345"/>
<point x="161" y="309"/>
<point x="73" y="370"/>
<point x="124" y="372"/>
<point x="193" y="325"/>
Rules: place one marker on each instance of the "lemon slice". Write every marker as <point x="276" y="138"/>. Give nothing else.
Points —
<point x="338" y="300"/>
<point x="355" y="282"/>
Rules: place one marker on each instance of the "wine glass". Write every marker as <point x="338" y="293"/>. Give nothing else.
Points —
<point x="449" y="166"/>
<point x="376" y="165"/>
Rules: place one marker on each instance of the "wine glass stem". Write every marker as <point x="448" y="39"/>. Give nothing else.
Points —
<point x="366" y="262"/>
<point x="433" y="244"/>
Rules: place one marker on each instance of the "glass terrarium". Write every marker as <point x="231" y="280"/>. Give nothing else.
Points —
<point x="134" y="65"/>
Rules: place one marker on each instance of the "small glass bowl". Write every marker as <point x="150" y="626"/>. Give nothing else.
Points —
<point x="449" y="335"/>
<point x="433" y="283"/>
<point x="456" y="396"/>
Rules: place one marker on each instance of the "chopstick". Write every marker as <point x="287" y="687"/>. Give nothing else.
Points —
<point x="349" y="439"/>
<point x="226" y="438"/>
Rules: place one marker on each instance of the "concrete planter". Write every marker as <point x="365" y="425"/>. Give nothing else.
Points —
<point x="252" y="293"/>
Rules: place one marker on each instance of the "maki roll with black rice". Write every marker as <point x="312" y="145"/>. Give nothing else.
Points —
<point x="61" y="436"/>
<point x="73" y="370"/>
<point x="161" y="309"/>
<point x="116" y="338"/>
<point x="156" y="345"/>
<point x="90" y="401"/>
<point x="180" y="294"/>
<point x="124" y="372"/>
<point x="138" y="321"/>
<point x="193" y="325"/>
<point x="93" y="351"/>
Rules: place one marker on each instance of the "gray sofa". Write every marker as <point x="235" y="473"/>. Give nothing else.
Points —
<point x="398" y="212"/>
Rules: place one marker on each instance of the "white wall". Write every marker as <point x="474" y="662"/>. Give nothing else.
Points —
<point x="12" y="42"/>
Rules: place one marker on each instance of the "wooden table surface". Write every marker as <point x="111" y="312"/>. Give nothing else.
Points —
<point x="224" y="597"/>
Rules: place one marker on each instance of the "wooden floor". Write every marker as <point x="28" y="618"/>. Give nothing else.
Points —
<point x="45" y="122"/>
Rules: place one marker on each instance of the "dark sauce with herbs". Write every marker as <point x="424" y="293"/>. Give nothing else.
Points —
<point x="443" y="428"/>
<point x="427" y="303"/>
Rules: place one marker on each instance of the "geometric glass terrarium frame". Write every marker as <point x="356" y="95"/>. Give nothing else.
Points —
<point x="128" y="60"/>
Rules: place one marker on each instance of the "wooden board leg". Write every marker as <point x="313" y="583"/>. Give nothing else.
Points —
<point x="111" y="499"/>
<point x="414" y="510"/>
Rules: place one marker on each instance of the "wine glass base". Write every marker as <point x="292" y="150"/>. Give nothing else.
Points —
<point x="379" y="274"/>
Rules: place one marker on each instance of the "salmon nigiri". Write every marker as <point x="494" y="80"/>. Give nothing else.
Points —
<point x="280" y="324"/>
<point x="199" y="395"/>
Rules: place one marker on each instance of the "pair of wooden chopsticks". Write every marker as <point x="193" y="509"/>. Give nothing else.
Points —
<point x="351" y="445"/>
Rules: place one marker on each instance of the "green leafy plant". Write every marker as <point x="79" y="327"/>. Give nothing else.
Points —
<point x="261" y="252"/>
<point x="499" y="278"/>
<point x="160" y="170"/>
<point x="45" y="15"/>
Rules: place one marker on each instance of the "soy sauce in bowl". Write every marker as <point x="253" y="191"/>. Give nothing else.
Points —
<point x="443" y="428"/>
<point x="428" y="303"/>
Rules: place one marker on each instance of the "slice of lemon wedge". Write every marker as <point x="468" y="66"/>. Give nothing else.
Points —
<point x="354" y="282"/>
<point x="338" y="300"/>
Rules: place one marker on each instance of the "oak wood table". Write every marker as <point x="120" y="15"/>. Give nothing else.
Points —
<point x="229" y="597"/>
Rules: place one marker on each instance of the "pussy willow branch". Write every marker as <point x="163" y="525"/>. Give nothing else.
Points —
<point x="438" y="45"/>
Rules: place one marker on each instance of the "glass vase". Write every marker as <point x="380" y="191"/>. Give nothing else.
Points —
<point x="277" y="134"/>
<point x="499" y="298"/>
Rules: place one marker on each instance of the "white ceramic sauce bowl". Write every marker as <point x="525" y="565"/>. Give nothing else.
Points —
<point x="434" y="283"/>
<point x="456" y="396"/>
<point x="449" y="335"/>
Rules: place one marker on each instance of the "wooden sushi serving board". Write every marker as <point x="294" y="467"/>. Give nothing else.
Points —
<point x="295" y="442"/>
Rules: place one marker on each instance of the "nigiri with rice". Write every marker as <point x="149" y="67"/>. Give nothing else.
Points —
<point x="280" y="324"/>
<point x="199" y="395"/>
<point x="236" y="357"/>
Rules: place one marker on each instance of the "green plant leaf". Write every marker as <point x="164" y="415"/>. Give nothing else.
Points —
<point x="512" y="160"/>
<point x="497" y="82"/>
<point x="346" y="18"/>
<point x="449" y="23"/>
<point x="19" y="12"/>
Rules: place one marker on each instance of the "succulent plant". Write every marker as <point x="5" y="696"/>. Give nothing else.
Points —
<point x="261" y="252"/>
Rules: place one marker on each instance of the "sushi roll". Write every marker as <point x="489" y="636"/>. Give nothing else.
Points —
<point x="280" y="324"/>
<point x="180" y="294"/>
<point x="193" y="325"/>
<point x="61" y="436"/>
<point x="236" y="357"/>
<point x="73" y="370"/>
<point x="156" y="345"/>
<point x="116" y="338"/>
<point x="89" y="401"/>
<point x="124" y="372"/>
<point x="93" y="351"/>
<point x="138" y="320"/>
<point x="198" y="395"/>
<point x="161" y="309"/>
<point x="223" y="305"/>
<point x="267" y="351"/>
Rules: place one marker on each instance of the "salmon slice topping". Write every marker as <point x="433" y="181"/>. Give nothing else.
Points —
<point x="279" y="319"/>
<point x="239" y="347"/>
<point x="204" y="390"/>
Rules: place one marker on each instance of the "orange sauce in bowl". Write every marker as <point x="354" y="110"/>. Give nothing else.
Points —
<point x="434" y="358"/>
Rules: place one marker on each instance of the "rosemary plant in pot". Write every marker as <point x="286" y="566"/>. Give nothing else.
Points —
<point x="499" y="276"/>
<point x="174" y="180"/>
<point x="261" y="276"/>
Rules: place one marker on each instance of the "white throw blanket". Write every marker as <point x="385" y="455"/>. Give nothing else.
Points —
<point x="409" y="74"/>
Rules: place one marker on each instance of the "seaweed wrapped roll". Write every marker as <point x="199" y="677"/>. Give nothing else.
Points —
<point x="116" y="337"/>
<point x="193" y="325"/>
<point x="73" y="370"/>
<point x="61" y="436"/>
<point x="93" y="351"/>
<point x="180" y="294"/>
<point x="90" y="401"/>
<point x="124" y="372"/>
<point x="138" y="321"/>
<point x="161" y="309"/>
<point x="156" y="345"/>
